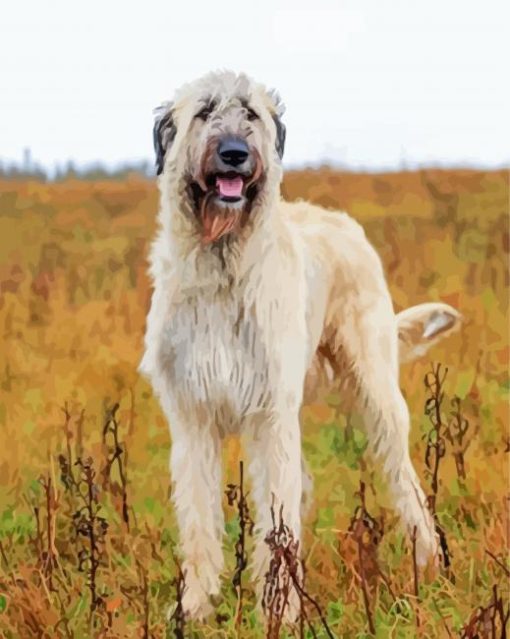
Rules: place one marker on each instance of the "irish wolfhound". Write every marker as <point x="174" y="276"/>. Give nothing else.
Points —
<point x="254" y="298"/>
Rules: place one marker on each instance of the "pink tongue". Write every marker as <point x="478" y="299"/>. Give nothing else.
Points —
<point x="230" y="187"/>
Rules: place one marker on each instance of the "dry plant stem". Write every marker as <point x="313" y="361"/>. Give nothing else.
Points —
<point x="50" y="554"/>
<point x="68" y="435"/>
<point x="499" y="563"/>
<point x="448" y="632"/>
<point x="235" y="495"/>
<point x="416" y="577"/>
<point x="304" y="595"/>
<point x="93" y="546"/>
<point x="284" y="573"/>
<point x="4" y="556"/>
<point x="436" y="450"/>
<point x="303" y="616"/>
<point x="436" y="446"/>
<point x="415" y="566"/>
<point x="240" y="552"/>
<point x="111" y="427"/>
<point x="367" y="533"/>
<point x="78" y="452"/>
<point x="145" y="598"/>
<point x="63" y="620"/>
<point x="38" y="541"/>
<point x="178" y="614"/>
<point x="455" y="433"/>
<point x="66" y="462"/>
<point x="90" y="525"/>
<point x="131" y="425"/>
<point x="492" y="618"/>
<point x="387" y="583"/>
<point x="277" y="579"/>
<point x="155" y="554"/>
<point x="364" y="589"/>
<point x="500" y="612"/>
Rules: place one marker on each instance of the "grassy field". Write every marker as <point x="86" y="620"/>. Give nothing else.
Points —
<point x="87" y="550"/>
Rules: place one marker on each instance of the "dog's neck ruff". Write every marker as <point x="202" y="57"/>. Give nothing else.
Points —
<point x="218" y="265"/>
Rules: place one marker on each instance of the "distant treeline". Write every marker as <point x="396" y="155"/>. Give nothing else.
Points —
<point x="95" y="171"/>
<point x="30" y="169"/>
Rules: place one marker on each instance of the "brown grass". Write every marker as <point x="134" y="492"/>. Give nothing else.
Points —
<point x="73" y="298"/>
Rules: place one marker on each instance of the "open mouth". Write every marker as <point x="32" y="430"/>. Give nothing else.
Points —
<point x="228" y="187"/>
<point x="223" y="200"/>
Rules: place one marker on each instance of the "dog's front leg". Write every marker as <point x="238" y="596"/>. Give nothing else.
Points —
<point x="274" y="449"/>
<point x="195" y="465"/>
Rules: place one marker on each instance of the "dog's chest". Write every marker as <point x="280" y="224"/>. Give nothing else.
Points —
<point x="218" y="357"/>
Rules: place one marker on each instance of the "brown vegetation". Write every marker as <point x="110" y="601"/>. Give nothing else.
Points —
<point x="88" y="549"/>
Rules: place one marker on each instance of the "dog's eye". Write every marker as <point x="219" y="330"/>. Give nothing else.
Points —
<point x="251" y="115"/>
<point x="204" y="113"/>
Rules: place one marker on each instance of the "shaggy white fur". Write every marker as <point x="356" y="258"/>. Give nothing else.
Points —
<point x="293" y="296"/>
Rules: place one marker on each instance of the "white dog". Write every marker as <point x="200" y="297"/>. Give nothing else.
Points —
<point x="254" y="298"/>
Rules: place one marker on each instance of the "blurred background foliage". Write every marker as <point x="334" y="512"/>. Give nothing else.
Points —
<point x="73" y="299"/>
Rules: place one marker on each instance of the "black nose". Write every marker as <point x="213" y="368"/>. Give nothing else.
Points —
<point x="233" y="151"/>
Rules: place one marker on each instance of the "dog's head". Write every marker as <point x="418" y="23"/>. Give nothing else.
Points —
<point x="218" y="148"/>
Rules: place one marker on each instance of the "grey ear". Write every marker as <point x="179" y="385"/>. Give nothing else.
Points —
<point x="280" y="135"/>
<point x="163" y="135"/>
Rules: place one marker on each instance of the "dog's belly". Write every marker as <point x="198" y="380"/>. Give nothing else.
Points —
<point x="218" y="361"/>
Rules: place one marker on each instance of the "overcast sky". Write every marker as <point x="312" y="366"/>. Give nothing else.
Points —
<point x="367" y="83"/>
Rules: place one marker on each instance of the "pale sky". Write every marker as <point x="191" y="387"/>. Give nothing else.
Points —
<point x="367" y="83"/>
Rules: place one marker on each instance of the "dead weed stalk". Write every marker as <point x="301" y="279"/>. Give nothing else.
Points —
<point x="367" y="533"/>
<point x="115" y="454"/>
<point x="285" y="572"/>
<point x="489" y="622"/>
<point x="455" y="433"/>
<point x="237" y="497"/>
<point x="45" y="532"/>
<point x="177" y="616"/>
<point x="90" y="528"/>
<point x="436" y="445"/>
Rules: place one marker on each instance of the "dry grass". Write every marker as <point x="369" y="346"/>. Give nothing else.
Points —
<point x="87" y="549"/>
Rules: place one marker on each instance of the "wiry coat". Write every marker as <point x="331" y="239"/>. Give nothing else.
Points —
<point x="238" y="328"/>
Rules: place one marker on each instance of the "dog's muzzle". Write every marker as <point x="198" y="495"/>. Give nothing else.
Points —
<point x="226" y="186"/>
<point x="233" y="164"/>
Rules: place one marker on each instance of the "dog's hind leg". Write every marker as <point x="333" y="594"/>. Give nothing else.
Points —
<point x="366" y="336"/>
<point x="307" y="488"/>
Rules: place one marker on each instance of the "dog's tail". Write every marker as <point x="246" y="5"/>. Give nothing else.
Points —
<point x="422" y="326"/>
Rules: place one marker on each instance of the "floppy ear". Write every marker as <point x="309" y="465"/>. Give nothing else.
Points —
<point x="281" y="132"/>
<point x="163" y="134"/>
<point x="278" y="109"/>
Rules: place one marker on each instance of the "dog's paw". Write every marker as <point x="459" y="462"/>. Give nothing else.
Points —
<point x="292" y="610"/>
<point x="427" y="546"/>
<point x="195" y="605"/>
